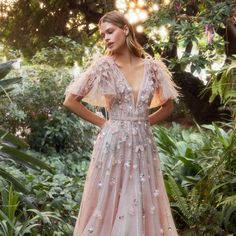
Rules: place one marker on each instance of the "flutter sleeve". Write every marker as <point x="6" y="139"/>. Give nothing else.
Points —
<point x="95" y="85"/>
<point x="164" y="87"/>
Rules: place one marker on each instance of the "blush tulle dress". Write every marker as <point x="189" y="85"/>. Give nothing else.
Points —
<point x="124" y="192"/>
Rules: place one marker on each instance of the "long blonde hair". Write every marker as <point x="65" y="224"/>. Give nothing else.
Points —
<point x="118" y="19"/>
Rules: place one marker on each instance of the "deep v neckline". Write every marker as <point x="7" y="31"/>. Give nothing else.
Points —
<point x="128" y="86"/>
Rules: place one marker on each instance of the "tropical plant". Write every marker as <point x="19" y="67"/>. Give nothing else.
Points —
<point x="6" y="84"/>
<point x="19" y="223"/>
<point x="224" y="85"/>
<point x="200" y="217"/>
<point x="11" y="147"/>
<point x="60" y="193"/>
<point x="199" y="167"/>
<point x="191" y="37"/>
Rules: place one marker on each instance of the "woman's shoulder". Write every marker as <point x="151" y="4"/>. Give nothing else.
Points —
<point x="156" y="63"/>
<point x="98" y="58"/>
<point x="99" y="66"/>
<point x="100" y="62"/>
<point x="153" y="60"/>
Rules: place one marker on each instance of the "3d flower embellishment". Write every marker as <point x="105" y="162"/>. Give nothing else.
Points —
<point x="139" y="148"/>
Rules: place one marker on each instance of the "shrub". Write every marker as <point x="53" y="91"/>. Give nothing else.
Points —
<point x="37" y="114"/>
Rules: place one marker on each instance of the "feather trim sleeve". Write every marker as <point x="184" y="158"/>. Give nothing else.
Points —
<point x="95" y="85"/>
<point x="165" y="88"/>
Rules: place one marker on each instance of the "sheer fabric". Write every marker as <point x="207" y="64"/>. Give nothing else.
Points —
<point x="124" y="193"/>
<point x="98" y="81"/>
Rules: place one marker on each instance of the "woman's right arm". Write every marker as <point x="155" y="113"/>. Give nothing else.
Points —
<point x="72" y="102"/>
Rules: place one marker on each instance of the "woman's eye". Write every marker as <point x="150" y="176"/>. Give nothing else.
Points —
<point x="108" y="32"/>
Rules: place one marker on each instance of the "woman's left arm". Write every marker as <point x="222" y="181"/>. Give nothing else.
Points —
<point x="162" y="113"/>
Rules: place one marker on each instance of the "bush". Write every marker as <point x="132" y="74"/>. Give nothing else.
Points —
<point x="38" y="116"/>
<point x="199" y="167"/>
<point x="59" y="193"/>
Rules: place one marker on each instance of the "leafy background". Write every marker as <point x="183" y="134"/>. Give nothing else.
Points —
<point x="45" y="150"/>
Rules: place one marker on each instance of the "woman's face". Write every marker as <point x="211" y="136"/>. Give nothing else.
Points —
<point x="113" y="36"/>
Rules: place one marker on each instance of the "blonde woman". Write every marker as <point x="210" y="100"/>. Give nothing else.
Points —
<point x="124" y="193"/>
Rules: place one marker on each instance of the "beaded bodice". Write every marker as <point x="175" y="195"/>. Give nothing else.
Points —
<point x="104" y="84"/>
<point x="128" y="103"/>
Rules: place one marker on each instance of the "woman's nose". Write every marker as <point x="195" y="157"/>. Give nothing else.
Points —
<point x="107" y="38"/>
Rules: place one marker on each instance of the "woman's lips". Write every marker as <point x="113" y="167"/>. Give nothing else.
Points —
<point x="109" y="45"/>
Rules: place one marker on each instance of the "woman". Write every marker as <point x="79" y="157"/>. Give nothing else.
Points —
<point x="124" y="192"/>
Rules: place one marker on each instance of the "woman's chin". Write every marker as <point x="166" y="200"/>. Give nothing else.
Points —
<point x="112" y="50"/>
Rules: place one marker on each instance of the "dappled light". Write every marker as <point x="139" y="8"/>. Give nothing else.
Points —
<point x="49" y="49"/>
<point x="5" y="7"/>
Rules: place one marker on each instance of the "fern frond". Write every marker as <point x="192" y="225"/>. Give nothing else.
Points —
<point x="181" y="201"/>
<point x="231" y="200"/>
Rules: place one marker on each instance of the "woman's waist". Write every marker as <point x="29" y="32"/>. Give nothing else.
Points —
<point x="129" y="118"/>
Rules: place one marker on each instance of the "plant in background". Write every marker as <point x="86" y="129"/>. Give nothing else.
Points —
<point x="191" y="36"/>
<point x="6" y="84"/>
<point x="59" y="193"/>
<point x="18" y="223"/>
<point x="224" y="85"/>
<point x="12" y="148"/>
<point x="64" y="132"/>
<point x="36" y="115"/>
<point x="199" y="167"/>
<point x="61" y="51"/>
<point x="45" y="124"/>
<point x="198" y="216"/>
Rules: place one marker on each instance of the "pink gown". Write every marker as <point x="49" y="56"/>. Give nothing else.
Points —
<point x="124" y="192"/>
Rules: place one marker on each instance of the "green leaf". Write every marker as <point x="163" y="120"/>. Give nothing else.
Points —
<point x="8" y="137"/>
<point x="6" y="82"/>
<point x="22" y="157"/>
<point x="5" y="68"/>
<point x="17" y="184"/>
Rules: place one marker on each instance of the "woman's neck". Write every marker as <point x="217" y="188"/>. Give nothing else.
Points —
<point x="125" y="58"/>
